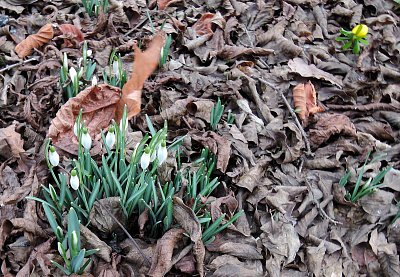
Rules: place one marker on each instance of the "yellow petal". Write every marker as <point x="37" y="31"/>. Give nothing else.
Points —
<point x="360" y="30"/>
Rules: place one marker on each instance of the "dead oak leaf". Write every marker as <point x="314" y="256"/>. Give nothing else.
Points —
<point x="71" y="34"/>
<point x="98" y="104"/>
<point x="204" y="26"/>
<point x="305" y="99"/>
<point x="329" y="125"/>
<point x="44" y="35"/>
<point x="163" y="4"/>
<point x="11" y="143"/>
<point x="143" y="66"/>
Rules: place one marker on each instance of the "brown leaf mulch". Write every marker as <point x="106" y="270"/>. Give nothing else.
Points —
<point x="251" y="55"/>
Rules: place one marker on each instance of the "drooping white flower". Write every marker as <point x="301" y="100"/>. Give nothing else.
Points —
<point x="54" y="158"/>
<point x="86" y="140"/>
<point x="110" y="137"/>
<point x="94" y="81"/>
<point x="162" y="152"/>
<point x="74" y="180"/>
<point x="145" y="159"/>
<point x="72" y="74"/>
<point x="89" y="53"/>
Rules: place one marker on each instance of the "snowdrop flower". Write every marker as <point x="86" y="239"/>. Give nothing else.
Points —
<point x="74" y="180"/>
<point x="76" y="128"/>
<point x="145" y="159"/>
<point x="153" y="155"/>
<point x="60" y="249"/>
<point x="110" y="137"/>
<point x="115" y="68"/>
<point x="162" y="152"/>
<point x="72" y="74"/>
<point x="94" y="81"/>
<point x="89" y="53"/>
<point x="86" y="140"/>
<point x="54" y="158"/>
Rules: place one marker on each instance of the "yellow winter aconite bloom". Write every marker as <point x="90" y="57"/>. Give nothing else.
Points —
<point x="360" y="30"/>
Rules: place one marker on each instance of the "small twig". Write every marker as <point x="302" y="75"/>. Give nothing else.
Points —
<point x="321" y="210"/>
<point x="8" y="67"/>
<point x="137" y="26"/>
<point x="364" y="108"/>
<point x="303" y="133"/>
<point x="123" y="229"/>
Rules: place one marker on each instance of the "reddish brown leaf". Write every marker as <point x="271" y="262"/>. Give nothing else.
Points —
<point x="44" y="35"/>
<point x="305" y="99"/>
<point x="71" y="33"/>
<point x="98" y="104"/>
<point x="145" y="63"/>
<point x="163" y="4"/>
<point x="203" y="25"/>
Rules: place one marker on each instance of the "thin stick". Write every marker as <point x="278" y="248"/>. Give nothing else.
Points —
<point x="303" y="133"/>
<point x="320" y="209"/>
<point x="8" y="67"/>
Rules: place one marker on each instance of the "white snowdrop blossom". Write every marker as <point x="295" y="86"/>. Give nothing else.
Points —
<point x="89" y="53"/>
<point x="110" y="137"/>
<point x="94" y="81"/>
<point x="54" y="158"/>
<point x="145" y="159"/>
<point x="72" y="74"/>
<point x="74" y="180"/>
<point x="162" y="153"/>
<point x="86" y="140"/>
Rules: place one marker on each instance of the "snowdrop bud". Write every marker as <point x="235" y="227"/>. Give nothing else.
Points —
<point x="153" y="156"/>
<point x="74" y="240"/>
<point x="54" y="158"/>
<point x="75" y="129"/>
<point x="126" y="124"/>
<point x="86" y="140"/>
<point x="65" y="61"/>
<point x="145" y="159"/>
<point x="162" y="153"/>
<point x="80" y="61"/>
<point x="74" y="180"/>
<point x="110" y="137"/>
<point x="72" y="73"/>
<point x="94" y="81"/>
<point x="89" y="53"/>
<point x="80" y="73"/>
<point x="115" y="68"/>
<point x="60" y="249"/>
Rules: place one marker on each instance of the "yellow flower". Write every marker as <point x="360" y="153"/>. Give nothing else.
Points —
<point x="360" y="30"/>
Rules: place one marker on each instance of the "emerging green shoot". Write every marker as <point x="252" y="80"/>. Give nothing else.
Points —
<point x="216" y="114"/>
<point x="93" y="7"/>
<point x="362" y="189"/>
<point x="117" y="75"/>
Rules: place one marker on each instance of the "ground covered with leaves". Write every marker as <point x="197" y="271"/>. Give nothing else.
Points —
<point x="263" y="60"/>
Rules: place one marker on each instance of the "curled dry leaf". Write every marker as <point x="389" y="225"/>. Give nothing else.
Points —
<point x="44" y="35"/>
<point x="70" y="33"/>
<point x="11" y="144"/>
<point x="305" y="99"/>
<point x="329" y="125"/>
<point x="145" y="63"/>
<point x="204" y="25"/>
<point x="98" y="104"/>
<point x="163" y="4"/>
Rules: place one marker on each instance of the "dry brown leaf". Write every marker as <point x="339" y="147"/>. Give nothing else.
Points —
<point x="203" y="25"/>
<point x="162" y="258"/>
<point x="44" y="35"/>
<point x="163" y="4"/>
<point x="305" y="99"/>
<point x="189" y="221"/>
<point x="71" y="33"/>
<point x="299" y="66"/>
<point x="100" y="215"/>
<point x="329" y="125"/>
<point x="98" y="104"/>
<point x="145" y="63"/>
<point x="11" y="144"/>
